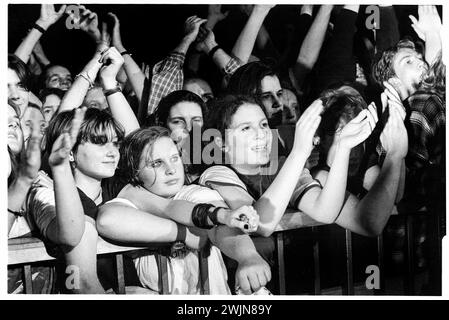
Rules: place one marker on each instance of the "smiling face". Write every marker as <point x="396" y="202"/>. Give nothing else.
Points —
<point x="248" y="138"/>
<point x="50" y="106"/>
<point x="271" y="97"/>
<point x="15" y="135"/>
<point x="97" y="161"/>
<point x="58" y="77"/>
<point x="161" y="170"/>
<point x="18" y="95"/>
<point x="409" y="68"/>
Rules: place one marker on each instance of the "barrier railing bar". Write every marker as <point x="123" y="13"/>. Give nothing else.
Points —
<point x="120" y="274"/>
<point x="281" y="262"/>
<point x="349" y="285"/>
<point x="316" y="262"/>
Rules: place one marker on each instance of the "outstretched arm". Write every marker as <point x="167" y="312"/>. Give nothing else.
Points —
<point x="120" y="108"/>
<point x="85" y="79"/>
<point x="311" y="46"/>
<point x="30" y="164"/>
<point x="168" y="75"/>
<point x="245" y="42"/>
<point x="68" y="227"/>
<point x="369" y="215"/>
<point x="428" y="28"/>
<point x="47" y="18"/>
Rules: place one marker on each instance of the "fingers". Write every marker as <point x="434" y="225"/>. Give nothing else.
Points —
<point x="384" y="99"/>
<point x="414" y="20"/>
<point x="391" y="91"/>
<point x="76" y="124"/>
<point x="114" y="16"/>
<point x="372" y="115"/>
<point x="62" y="10"/>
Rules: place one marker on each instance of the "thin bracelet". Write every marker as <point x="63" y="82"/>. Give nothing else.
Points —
<point x="39" y="28"/>
<point x="19" y="213"/>
<point x="109" y="92"/>
<point x="213" y="50"/>
<point x="86" y="77"/>
<point x="126" y="52"/>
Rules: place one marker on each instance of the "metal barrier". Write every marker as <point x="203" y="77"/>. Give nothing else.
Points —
<point x="24" y="251"/>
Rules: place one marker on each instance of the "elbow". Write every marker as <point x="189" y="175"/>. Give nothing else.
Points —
<point x="104" y="224"/>
<point x="69" y="239"/>
<point x="265" y="231"/>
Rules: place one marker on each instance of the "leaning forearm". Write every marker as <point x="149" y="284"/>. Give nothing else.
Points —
<point x="272" y="204"/>
<point x="25" y="48"/>
<point x="70" y="219"/>
<point x="128" y="225"/>
<point x="233" y="243"/>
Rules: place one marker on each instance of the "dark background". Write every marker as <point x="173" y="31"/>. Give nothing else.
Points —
<point x="150" y="31"/>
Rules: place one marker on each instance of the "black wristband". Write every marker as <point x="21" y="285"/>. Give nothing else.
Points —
<point x="181" y="233"/>
<point x="213" y="216"/>
<point x="19" y="213"/>
<point x="125" y="52"/>
<point x="213" y="50"/>
<point x="199" y="215"/>
<point x="39" y="28"/>
<point x="107" y="93"/>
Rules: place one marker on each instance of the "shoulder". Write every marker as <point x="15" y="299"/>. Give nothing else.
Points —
<point x="220" y="175"/>
<point x="198" y="194"/>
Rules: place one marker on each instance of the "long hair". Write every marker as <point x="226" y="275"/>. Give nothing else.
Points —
<point x="435" y="78"/>
<point x="132" y="150"/>
<point x="162" y="112"/>
<point x="98" y="127"/>
<point x="21" y="69"/>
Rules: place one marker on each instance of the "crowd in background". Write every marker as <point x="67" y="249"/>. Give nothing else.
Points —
<point x="345" y="123"/>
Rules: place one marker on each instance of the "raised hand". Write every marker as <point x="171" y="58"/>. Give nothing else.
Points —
<point x="391" y="98"/>
<point x="429" y="21"/>
<point x="358" y="129"/>
<point x="306" y="128"/>
<point x="112" y="62"/>
<point x="191" y="27"/>
<point x="49" y="16"/>
<point x="88" y="22"/>
<point x="116" y="37"/>
<point x="63" y="145"/>
<point x="394" y="137"/>
<point x="252" y="274"/>
<point x="31" y="158"/>
<point x="206" y="40"/>
<point x="244" y="218"/>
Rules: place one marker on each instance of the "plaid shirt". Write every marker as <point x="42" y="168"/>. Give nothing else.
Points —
<point x="426" y="129"/>
<point x="167" y="77"/>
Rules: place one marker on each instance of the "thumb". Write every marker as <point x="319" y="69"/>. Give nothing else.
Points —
<point x="414" y="20"/>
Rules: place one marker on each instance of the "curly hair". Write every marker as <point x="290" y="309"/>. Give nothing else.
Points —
<point x="383" y="68"/>
<point x="132" y="150"/>
<point x="435" y="78"/>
